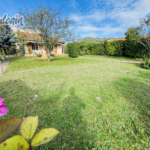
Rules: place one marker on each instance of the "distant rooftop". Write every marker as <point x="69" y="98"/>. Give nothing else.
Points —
<point x="123" y="38"/>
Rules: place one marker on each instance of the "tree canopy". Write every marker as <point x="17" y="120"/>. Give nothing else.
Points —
<point x="48" y="23"/>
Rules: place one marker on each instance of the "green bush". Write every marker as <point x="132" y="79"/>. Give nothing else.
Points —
<point x="12" y="51"/>
<point x="110" y="49"/>
<point x="119" y="47"/>
<point x="98" y="49"/>
<point x="146" y="63"/>
<point x="73" y="49"/>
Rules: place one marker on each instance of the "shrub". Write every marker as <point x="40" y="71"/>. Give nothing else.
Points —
<point x="73" y="49"/>
<point x="39" y="55"/>
<point x="98" y="49"/>
<point x="81" y="53"/>
<point x="146" y="63"/>
<point x="110" y="49"/>
<point x="12" y="51"/>
<point x="119" y="46"/>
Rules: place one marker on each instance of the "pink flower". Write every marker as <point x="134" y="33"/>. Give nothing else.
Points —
<point x="3" y="109"/>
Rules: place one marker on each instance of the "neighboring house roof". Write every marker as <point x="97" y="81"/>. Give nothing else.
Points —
<point x="28" y="34"/>
<point x="145" y="35"/>
<point x="123" y="38"/>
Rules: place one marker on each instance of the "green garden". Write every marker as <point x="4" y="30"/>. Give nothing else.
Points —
<point x="94" y="104"/>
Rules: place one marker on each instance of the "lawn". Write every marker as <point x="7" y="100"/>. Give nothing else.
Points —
<point x="112" y="57"/>
<point x="94" y="104"/>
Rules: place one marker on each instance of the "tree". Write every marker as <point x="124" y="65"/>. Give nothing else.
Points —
<point x="66" y="48"/>
<point x="21" y="41"/>
<point x="141" y="34"/>
<point x="47" y="22"/>
<point x="7" y="39"/>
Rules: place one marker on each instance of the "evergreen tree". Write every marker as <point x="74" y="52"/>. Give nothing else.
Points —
<point x="7" y="38"/>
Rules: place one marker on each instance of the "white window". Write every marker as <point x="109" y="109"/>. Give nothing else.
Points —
<point x="35" y="47"/>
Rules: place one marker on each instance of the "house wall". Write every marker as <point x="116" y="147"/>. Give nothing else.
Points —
<point x="30" y="48"/>
<point x="26" y="49"/>
<point x="59" y="49"/>
<point x="44" y="51"/>
<point x="41" y="48"/>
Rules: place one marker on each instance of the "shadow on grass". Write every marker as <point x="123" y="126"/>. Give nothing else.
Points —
<point x="63" y="114"/>
<point x="66" y="116"/>
<point x="137" y="94"/>
<point x="18" y="97"/>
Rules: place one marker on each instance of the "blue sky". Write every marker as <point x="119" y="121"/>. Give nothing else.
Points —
<point x="94" y="18"/>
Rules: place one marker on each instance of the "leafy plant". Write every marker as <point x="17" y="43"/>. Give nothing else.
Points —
<point x="110" y="49"/>
<point x="146" y="63"/>
<point x="73" y="49"/>
<point x="28" y="128"/>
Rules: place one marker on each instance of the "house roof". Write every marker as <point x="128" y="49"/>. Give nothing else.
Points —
<point x="34" y="37"/>
<point x="28" y="34"/>
<point x="123" y="38"/>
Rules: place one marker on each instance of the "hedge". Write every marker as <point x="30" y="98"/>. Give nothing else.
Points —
<point x="73" y="49"/>
<point x="128" y="48"/>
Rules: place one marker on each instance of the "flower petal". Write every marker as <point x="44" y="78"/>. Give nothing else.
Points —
<point x="1" y="101"/>
<point x="3" y="105"/>
<point x="3" y="109"/>
<point x="2" y="114"/>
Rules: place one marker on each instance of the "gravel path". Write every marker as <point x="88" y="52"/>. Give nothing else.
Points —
<point x="121" y="61"/>
<point x="4" y="66"/>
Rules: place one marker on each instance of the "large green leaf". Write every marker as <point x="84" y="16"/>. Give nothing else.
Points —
<point x="44" y="136"/>
<point x="8" y="126"/>
<point x="28" y="127"/>
<point x="15" y="143"/>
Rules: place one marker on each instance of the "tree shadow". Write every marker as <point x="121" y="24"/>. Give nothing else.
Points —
<point x="66" y="116"/>
<point x="54" y="110"/>
<point x="137" y="94"/>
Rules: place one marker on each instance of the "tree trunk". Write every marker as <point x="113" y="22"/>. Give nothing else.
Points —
<point x="49" y="58"/>
<point x="48" y="54"/>
<point x="5" y="51"/>
<point x="8" y="54"/>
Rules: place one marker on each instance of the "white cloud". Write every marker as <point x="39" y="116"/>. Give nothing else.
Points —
<point x="73" y="4"/>
<point x="111" y="16"/>
<point x="95" y="31"/>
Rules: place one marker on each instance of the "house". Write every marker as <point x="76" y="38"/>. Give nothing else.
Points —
<point x="34" y="45"/>
<point x="116" y="39"/>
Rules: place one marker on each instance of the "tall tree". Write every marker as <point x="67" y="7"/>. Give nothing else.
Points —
<point x="141" y="34"/>
<point x="7" y="39"/>
<point x="21" y="41"/>
<point x="49" y="24"/>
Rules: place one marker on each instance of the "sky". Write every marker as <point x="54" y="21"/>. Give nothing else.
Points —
<point x="93" y="18"/>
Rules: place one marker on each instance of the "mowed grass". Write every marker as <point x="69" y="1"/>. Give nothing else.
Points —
<point x="113" y="57"/>
<point x="94" y="104"/>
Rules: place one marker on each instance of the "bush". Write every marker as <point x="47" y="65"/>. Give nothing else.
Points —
<point x="98" y="49"/>
<point x="73" y="49"/>
<point x="39" y="55"/>
<point x="12" y="51"/>
<point x="146" y="63"/>
<point x="119" y="47"/>
<point x="81" y="53"/>
<point x="110" y="49"/>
